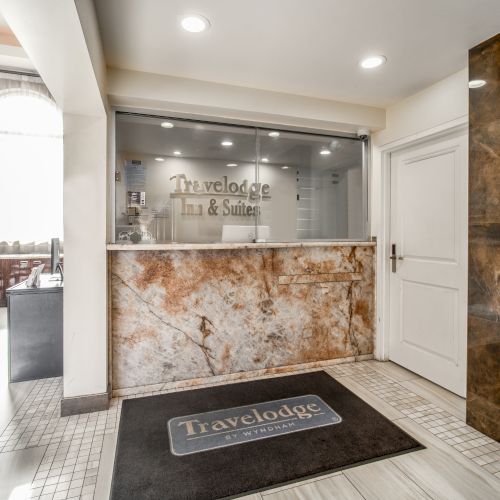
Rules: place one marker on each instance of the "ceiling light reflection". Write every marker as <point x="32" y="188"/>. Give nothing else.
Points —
<point x="372" y="62"/>
<point x="194" y="23"/>
<point x="475" y="84"/>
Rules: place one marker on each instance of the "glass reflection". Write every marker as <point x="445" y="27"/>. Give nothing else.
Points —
<point x="192" y="182"/>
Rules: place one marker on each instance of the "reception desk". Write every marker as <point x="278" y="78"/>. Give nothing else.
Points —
<point x="196" y="312"/>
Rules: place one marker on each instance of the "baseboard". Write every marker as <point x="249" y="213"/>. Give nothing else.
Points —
<point x="84" y="404"/>
<point x="229" y="378"/>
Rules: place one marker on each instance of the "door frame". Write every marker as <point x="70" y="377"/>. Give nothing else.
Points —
<point x="459" y="125"/>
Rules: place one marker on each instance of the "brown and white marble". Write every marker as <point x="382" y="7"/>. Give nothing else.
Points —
<point x="229" y="378"/>
<point x="483" y="347"/>
<point x="193" y="314"/>
<point x="233" y="245"/>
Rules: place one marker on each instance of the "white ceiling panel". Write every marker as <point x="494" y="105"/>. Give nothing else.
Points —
<point x="309" y="48"/>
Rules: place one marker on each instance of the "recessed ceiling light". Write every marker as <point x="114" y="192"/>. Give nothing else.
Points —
<point x="274" y="134"/>
<point x="194" y="23"/>
<point x="285" y="167"/>
<point x="226" y="143"/>
<point x="232" y="165"/>
<point x="265" y="160"/>
<point x="167" y="124"/>
<point x="475" y="84"/>
<point x="177" y="153"/>
<point x="325" y="152"/>
<point x="372" y="62"/>
<point x="160" y="158"/>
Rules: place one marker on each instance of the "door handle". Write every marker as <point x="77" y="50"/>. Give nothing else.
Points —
<point x="393" y="257"/>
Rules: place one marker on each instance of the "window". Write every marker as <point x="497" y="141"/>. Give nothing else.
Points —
<point x="193" y="182"/>
<point x="31" y="167"/>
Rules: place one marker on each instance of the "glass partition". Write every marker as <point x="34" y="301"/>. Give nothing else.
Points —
<point x="317" y="184"/>
<point x="193" y="182"/>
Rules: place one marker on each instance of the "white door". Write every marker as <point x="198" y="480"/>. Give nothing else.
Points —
<point x="428" y="271"/>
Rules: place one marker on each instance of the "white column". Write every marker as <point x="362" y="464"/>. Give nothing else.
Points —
<point x="85" y="287"/>
<point x="61" y="38"/>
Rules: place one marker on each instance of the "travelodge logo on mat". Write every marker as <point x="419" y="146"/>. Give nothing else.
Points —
<point x="231" y="426"/>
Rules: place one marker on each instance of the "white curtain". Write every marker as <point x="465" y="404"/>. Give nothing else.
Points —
<point x="31" y="162"/>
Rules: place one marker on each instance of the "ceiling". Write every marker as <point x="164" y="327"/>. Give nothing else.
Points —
<point x="309" y="48"/>
<point x="4" y="27"/>
<point x="143" y="135"/>
<point x="12" y="55"/>
<point x="6" y="34"/>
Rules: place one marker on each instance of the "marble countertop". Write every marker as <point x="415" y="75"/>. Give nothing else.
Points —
<point x="233" y="246"/>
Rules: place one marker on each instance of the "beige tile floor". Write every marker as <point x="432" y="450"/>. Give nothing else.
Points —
<point x="45" y="456"/>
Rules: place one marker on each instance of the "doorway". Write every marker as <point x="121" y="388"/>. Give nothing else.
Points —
<point x="428" y="260"/>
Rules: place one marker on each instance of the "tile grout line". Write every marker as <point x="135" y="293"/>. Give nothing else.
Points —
<point x="302" y="482"/>
<point x="420" y="487"/>
<point x="16" y="410"/>
<point x="354" y="486"/>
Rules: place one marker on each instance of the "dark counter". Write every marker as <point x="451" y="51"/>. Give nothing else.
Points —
<point x="35" y="323"/>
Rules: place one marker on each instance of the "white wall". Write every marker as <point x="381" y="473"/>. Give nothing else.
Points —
<point x="443" y="104"/>
<point x="90" y="29"/>
<point x="12" y="56"/>
<point x="85" y="286"/>
<point x="147" y="91"/>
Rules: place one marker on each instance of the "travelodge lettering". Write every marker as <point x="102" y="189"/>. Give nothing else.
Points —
<point x="232" y="426"/>
<point x="196" y="426"/>
<point x="222" y="194"/>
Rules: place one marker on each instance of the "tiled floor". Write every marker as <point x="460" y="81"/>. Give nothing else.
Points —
<point x="45" y="456"/>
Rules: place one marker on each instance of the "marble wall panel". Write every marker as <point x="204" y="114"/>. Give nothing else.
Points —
<point x="179" y="315"/>
<point x="483" y="350"/>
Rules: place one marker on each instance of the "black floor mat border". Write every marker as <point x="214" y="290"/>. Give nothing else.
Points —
<point x="199" y="399"/>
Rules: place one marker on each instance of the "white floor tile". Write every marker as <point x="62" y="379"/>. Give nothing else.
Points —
<point x="444" y="478"/>
<point x="381" y="406"/>
<point x="17" y="470"/>
<point x="337" y="487"/>
<point x="438" y="395"/>
<point x="105" y="473"/>
<point x="382" y="480"/>
<point x="392" y="370"/>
